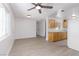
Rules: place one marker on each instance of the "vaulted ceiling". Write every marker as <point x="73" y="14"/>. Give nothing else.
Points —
<point x="20" y="9"/>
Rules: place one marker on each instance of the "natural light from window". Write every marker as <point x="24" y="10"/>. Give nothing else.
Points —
<point x="4" y="22"/>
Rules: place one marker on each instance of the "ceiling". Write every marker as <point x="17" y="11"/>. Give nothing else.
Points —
<point x="20" y="9"/>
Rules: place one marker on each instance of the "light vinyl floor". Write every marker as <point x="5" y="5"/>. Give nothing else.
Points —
<point x="40" y="47"/>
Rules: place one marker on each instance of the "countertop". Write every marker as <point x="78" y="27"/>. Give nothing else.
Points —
<point x="57" y="30"/>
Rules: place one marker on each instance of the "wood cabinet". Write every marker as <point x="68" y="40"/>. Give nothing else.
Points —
<point x="65" y="23"/>
<point x="50" y="36"/>
<point x="56" y="36"/>
<point x="52" y="23"/>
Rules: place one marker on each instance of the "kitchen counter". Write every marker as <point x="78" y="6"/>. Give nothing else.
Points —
<point x="57" y="30"/>
<point x="57" y="34"/>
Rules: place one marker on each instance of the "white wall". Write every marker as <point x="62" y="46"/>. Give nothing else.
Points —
<point x="6" y="41"/>
<point x="25" y="28"/>
<point x="73" y="34"/>
<point x="73" y="28"/>
<point x="41" y="28"/>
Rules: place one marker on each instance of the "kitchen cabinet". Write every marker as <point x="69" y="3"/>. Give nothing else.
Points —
<point x="57" y="30"/>
<point x="65" y="23"/>
<point x="50" y="36"/>
<point x="52" y="23"/>
<point x="56" y="36"/>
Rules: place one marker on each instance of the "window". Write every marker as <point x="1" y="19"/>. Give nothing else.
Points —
<point x="4" y="22"/>
<point x="1" y="21"/>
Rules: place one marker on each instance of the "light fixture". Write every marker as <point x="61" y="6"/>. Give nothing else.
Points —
<point x="74" y="16"/>
<point x="28" y="16"/>
<point x="38" y="7"/>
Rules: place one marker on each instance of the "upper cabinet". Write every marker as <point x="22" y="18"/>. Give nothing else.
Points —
<point x="65" y="23"/>
<point x="52" y="23"/>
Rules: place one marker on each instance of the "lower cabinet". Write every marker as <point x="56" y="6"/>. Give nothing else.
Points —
<point x="56" y="36"/>
<point x="50" y="36"/>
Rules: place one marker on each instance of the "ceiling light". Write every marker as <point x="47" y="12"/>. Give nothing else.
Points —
<point x="74" y="16"/>
<point x="28" y="16"/>
<point x="38" y="7"/>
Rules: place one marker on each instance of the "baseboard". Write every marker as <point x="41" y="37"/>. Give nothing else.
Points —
<point x="25" y="38"/>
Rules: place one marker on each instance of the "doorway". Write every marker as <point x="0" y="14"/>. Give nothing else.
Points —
<point x="41" y="28"/>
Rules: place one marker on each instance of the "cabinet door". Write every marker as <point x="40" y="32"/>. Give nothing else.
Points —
<point x="50" y="36"/>
<point x="59" y="35"/>
<point x="55" y="36"/>
<point x="65" y="24"/>
<point x="65" y="35"/>
<point x="51" y="23"/>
